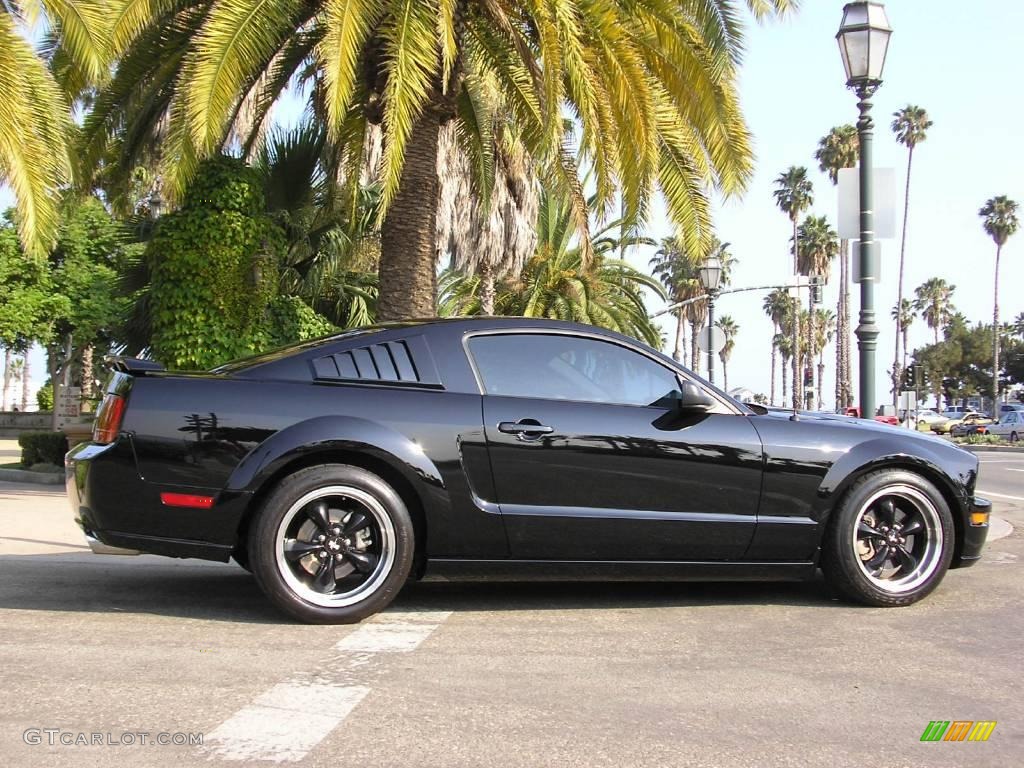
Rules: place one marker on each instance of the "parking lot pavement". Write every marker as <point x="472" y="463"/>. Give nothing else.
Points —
<point x="477" y="674"/>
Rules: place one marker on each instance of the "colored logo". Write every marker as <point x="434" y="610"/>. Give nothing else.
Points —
<point x="958" y="730"/>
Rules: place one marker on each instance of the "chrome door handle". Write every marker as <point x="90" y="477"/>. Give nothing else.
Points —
<point x="524" y="428"/>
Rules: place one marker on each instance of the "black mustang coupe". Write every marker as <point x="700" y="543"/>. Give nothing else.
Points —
<point x="334" y="470"/>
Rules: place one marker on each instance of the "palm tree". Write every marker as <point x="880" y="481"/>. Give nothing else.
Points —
<point x="784" y="343"/>
<point x="840" y="149"/>
<point x="934" y="302"/>
<point x="904" y="314"/>
<point x="493" y="237"/>
<point x="652" y="88"/>
<point x="35" y="122"/>
<point x="556" y="283"/>
<point x="777" y="306"/>
<point x="824" y="331"/>
<point x="817" y="245"/>
<point x="729" y="329"/>
<point x="794" y="194"/>
<point x="910" y="125"/>
<point x="677" y="271"/>
<point x="999" y="215"/>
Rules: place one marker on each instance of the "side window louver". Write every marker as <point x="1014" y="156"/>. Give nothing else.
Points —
<point x="405" y="361"/>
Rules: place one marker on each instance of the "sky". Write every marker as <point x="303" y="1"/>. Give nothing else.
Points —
<point x="956" y="60"/>
<point x="960" y="66"/>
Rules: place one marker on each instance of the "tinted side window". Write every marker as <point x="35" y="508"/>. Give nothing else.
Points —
<point x="556" y="367"/>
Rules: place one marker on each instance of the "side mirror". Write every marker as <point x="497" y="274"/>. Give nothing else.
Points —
<point x="692" y="398"/>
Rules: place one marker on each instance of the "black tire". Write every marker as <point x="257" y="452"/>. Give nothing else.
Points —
<point x="889" y="520"/>
<point x="289" y="544"/>
<point x="1013" y="437"/>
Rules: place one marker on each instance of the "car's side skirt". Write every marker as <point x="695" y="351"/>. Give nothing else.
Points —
<point x="619" y="570"/>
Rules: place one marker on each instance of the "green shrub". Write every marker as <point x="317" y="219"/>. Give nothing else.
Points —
<point x="42" y="448"/>
<point x="44" y="397"/>
<point x="982" y="440"/>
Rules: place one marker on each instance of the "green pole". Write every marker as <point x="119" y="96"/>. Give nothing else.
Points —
<point x="711" y="330"/>
<point x="867" y="331"/>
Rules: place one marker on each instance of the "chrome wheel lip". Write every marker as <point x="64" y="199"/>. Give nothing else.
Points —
<point x="384" y="565"/>
<point x="930" y="558"/>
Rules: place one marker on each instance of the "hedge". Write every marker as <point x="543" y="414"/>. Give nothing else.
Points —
<point x="43" y="448"/>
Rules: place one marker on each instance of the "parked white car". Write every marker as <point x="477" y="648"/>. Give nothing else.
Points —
<point x="1010" y="426"/>
<point x="929" y="417"/>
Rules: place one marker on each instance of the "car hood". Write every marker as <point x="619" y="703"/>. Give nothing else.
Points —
<point x="864" y="425"/>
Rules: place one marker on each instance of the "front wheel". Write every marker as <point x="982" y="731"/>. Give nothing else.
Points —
<point x="1013" y="437"/>
<point x="333" y="544"/>
<point x="890" y="541"/>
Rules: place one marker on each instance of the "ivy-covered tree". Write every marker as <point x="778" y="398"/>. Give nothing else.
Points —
<point x="214" y="269"/>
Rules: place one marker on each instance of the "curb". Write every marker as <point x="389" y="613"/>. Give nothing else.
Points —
<point x="992" y="448"/>
<point x="25" y="476"/>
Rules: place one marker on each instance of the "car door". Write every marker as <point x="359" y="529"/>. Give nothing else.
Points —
<point x="591" y="461"/>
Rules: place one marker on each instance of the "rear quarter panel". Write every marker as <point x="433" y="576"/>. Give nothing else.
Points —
<point x="234" y="435"/>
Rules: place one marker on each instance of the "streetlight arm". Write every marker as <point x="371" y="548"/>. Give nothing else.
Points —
<point x="704" y="297"/>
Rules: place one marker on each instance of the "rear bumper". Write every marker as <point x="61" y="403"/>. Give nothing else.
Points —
<point x="120" y="513"/>
<point x="99" y="548"/>
<point x="974" y="533"/>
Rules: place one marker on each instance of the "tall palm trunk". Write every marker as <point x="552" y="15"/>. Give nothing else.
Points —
<point x="725" y="374"/>
<point x="809" y="397"/>
<point x="899" y="284"/>
<point x="26" y="380"/>
<point x="695" y="353"/>
<point x="995" y="336"/>
<point x="8" y="362"/>
<point x="487" y="290"/>
<point x="785" y="362"/>
<point x="677" y="349"/>
<point x="796" y="327"/>
<point x="821" y="376"/>
<point x="775" y="352"/>
<point x="408" y="241"/>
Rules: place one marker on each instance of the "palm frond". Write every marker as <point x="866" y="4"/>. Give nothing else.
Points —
<point x="410" y="46"/>
<point x="34" y="124"/>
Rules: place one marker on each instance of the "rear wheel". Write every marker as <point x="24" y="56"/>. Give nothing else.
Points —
<point x="1013" y="437"/>
<point x="333" y="544"/>
<point x="890" y="541"/>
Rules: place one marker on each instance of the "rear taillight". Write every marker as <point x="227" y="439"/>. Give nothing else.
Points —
<point x="108" y="419"/>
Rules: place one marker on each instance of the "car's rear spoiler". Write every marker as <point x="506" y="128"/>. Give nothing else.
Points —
<point x="133" y="365"/>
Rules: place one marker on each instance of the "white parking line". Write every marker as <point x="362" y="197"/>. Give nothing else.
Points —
<point x="284" y="723"/>
<point x="1000" y="495"/>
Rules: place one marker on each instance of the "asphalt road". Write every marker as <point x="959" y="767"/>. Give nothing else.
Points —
<point x="496" y="674"/>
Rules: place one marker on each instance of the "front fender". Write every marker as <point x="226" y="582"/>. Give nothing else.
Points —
<point x="953" y="470"/>
<point x="326" y="433"/>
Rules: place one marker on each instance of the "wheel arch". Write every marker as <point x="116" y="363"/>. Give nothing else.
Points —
<point x="840" y="479"/>
<point x="343" y="440"/>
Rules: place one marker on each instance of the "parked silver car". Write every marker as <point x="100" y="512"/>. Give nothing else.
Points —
<point x="1010" y="426"/>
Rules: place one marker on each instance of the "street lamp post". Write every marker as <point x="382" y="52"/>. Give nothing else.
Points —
<point x="710" y="277"/>
<point x="863" y="41"/>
